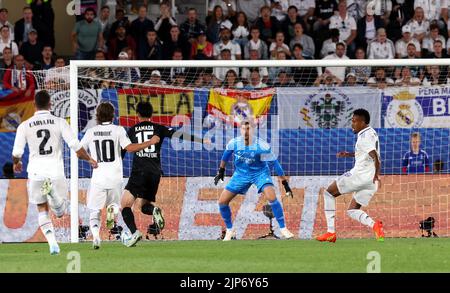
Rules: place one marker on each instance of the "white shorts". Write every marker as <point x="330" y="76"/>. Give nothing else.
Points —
<point x="59" y="191"/>
<point x="98" y="197"/>
<point x="361" y="184"/>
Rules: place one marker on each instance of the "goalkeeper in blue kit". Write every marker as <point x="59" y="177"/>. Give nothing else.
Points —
<point x="251" y="157"/>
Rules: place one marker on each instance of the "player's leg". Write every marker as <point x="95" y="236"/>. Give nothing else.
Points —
<point x="36" y="196"/>
<point x="57" y="198"/>
<point x="224" y="207"/>
<point x="277" y="209"/>
<point x="96" y="200"/>
<point x="127" y="202"/>
<point x="147" y="198"/>
<point x="112" y="205"/>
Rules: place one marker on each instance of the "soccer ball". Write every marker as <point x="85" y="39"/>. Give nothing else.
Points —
<point x="125" y="237"/>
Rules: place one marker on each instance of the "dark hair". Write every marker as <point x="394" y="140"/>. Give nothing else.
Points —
<point x="105" y="112"/>
<point x="105" y="7"/>
<point x="42" y="100"/>
<point x="362" y="113"/>
<point x="297" y="45"/>
<point x="433" y="26"/>
<point x="91" y="10"/>
<point x="293" y="7"/>
<point x="144" y="109"/>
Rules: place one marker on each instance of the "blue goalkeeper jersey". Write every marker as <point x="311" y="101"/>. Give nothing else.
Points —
<point x="416" y="163"/>
<point x="249" y="159"/>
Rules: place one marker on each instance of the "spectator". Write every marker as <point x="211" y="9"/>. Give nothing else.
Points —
<point x="231" y="80"/>
<point x="32" y="49"/>
<point x="382" y="47"/>
<point x="283" y="80"/>
<point x="362" y="73"/>
<point x="401" y="45"/>
<point x="164" y="22"/>
<point x="215" y="23"/>
<point x="251" y="8"/>
<point x="325" y="9"/>
<point x="104" y="21"/>
<point x="177" y="55"/>
<point x="305" y="40"/>
<point x="139" y="28"/>
<point x="220" y="72"/>
<point x="407" y="79"/>
<point x="125" y="75"/>
<point x="202" y="49"/>
<point x="8" y="172"/>
<point x="367" y="29"/>
<point x="228" y="7"/>
<point x="305" y="11"/>
<point x="179" y="80"/>
<point x="416" y="71"/>
<point x="255" y="81"/>
<point x="176" y="41"/>
<point x="43" y="11"/>
<point x="4" y="21"/>
<point x="327" y="80"/>
<point x="434" y="11"/>
<point x="205" y="78"/>
<point x="402" y="12"/>
<point x="121" y="19"/>
<point x="346" y="26"/>
<point x="58" y="78"/>
<point x="350" y="79"/>
<point x="381" y="9"/>
<point x="279" y="9"/>
<point x="255" y="43"/>
<point x="279" y="45"/>
<point x="87" y="36"/>
<point x="287" y="25"/>
<point x="120" y="41"/>
<point x="19" y="80"/>
<point x="434" y="77"/>
<point x="380" y="80"/>
<point x="155" y="78"/>
<point x="415" y="160"/>
<point x="134" y="6"/>
<point x="23" y="26"/>
<point x="46" y="61"/>
<point x="419" y="25"/>
<point x="273" y="71"/>
<point x="6" y="41"/>
<point x="428" y="41"/>
<point x="226" y="43"/>
<point x="263" y="72"/>
<point x="338" y="72"/>
<point x="153" y="47"/>
<point x="6" y="62"/>
<point x="304" y="76"/>
<point x="191" y="28"/>
<point x="438" y="51"/>
<point x="329" y="46"/>
<point x="268" y="25"/>
<point x="240" y="30"/>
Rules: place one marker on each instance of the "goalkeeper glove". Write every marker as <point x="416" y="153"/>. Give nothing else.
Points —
<point x="219" y="176"/>
<point x="287" y="188"/>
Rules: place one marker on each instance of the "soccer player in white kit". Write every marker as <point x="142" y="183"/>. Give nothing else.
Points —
<point x="46" y="180"/>
<point x="105" y="142"/>
<point x="363" y="180"/>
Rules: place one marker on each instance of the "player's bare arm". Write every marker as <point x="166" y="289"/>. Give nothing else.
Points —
<point x="374" y="155"/>
<point x="82" y="154"/>
<point x="345" y="155"/>
<point x="17" y="164"/>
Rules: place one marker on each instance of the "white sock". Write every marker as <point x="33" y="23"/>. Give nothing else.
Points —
<point x="45" y="223"/>
<point x="330" y="210"/>
<point x="94" y="223"/>
<point x="361" y="217"/>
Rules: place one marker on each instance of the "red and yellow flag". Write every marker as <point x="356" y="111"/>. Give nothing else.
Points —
<point x="14" y="110"/>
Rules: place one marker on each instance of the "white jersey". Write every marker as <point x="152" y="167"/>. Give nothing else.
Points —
<point x="44" y="133"/>
<point x="105" y="143"/>
<point x="367" y="141"/>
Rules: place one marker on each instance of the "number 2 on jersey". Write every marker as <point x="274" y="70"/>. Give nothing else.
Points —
<point x="45" y="133"/>
<point x="143" y="137"/>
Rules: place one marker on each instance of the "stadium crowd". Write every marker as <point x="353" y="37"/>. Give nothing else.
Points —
<point x="248" y="29"/>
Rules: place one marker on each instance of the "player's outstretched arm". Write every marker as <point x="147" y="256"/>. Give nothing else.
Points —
<point x="374" y="155"/>
<point x="135" y="147"/>
<point x="345" y="155"/>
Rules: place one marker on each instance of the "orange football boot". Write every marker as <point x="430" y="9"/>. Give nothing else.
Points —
<point x="378" y="229"/>
<point x="330" y="237"/>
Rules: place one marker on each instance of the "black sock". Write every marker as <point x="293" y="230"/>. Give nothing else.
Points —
<point x="128" y="217"/>
<point x="147" y="209"/>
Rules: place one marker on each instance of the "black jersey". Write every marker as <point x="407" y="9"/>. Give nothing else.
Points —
<point x="149" y="159"/>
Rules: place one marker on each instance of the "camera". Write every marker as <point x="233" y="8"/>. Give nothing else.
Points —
<point x="427" y="226"/>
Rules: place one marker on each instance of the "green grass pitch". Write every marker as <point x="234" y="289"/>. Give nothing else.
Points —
<point x="253" y="256"/>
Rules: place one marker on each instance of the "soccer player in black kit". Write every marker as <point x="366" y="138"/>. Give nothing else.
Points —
<point x="146" y="171"/>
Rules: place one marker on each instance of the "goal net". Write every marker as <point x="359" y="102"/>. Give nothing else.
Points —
<point x="303" y="108"/>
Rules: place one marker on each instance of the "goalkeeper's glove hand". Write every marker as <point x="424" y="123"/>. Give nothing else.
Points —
<point x="287" y="188"/>
<point x="220" y="175"/>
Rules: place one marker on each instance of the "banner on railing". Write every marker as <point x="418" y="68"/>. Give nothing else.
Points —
<point x="326" y="107"/>
<point x="416" y="107"/>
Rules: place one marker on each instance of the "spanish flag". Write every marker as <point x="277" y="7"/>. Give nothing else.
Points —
<point x="232" y="106"/>
<point x="14" y="110"/>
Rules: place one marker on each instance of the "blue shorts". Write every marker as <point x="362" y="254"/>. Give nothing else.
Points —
<point x="240" y="183"/>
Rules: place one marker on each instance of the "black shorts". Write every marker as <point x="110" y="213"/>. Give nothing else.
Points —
<point x="143" y="185"/>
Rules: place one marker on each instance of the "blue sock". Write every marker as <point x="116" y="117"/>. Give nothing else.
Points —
<point x="225" y="212"/>
<point x="278" y="212"/>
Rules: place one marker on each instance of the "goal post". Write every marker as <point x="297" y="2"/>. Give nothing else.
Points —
<point x="302" y="134"/>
